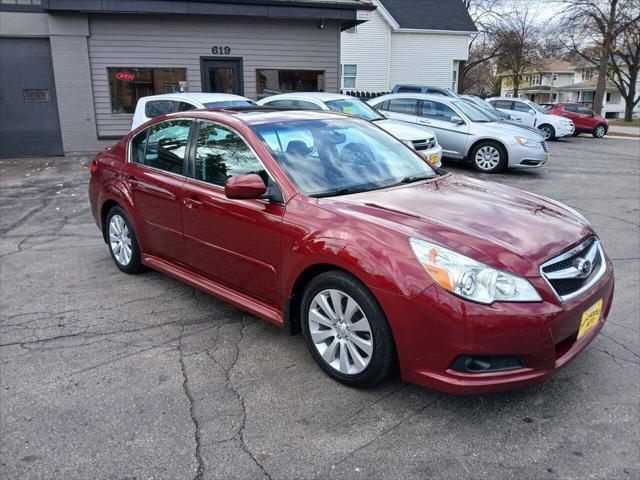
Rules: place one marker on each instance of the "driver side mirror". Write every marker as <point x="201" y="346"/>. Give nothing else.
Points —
<point x="457" y="120"/>
<point x="531" y="111"/>
<point x="245" y="187"/>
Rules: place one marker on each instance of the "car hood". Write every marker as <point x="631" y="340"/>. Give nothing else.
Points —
<point x="404" y="130"/>
<point x="504" y="227"/>
<point x="513" y="129"/>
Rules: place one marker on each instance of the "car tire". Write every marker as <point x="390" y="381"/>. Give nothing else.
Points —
<point x="548" y="131"/>
<point x="600" y="131"/>
<point x="352" y="343"/>
<point x="122" y="241"/>
<point x="488" y="157"/>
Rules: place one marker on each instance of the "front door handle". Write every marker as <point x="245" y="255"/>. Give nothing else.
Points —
<point x="424" y="122"/>
<point x="193" y="202"/>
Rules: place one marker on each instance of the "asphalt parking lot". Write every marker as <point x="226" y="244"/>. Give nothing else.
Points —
<point x="109" y="376"/>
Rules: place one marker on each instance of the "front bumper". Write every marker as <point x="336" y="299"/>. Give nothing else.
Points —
<point x="526" y="157"/>
<point x="565" y="131"/>
<point x="434" y="155"/>
<point x="434" y="328"/>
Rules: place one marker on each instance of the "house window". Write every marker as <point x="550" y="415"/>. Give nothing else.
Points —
<point x="270" y="82"/>
<point x="349" y="74"/>
<point x="554" y="77"/>
<point x="535" y="80"/>
<point x="128" y="84"/>
<point x="454" y="77"/>
<point x="608" y="97"/>
<point x="587" y="75"/>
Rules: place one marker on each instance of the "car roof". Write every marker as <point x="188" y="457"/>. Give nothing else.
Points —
<point x="201" y="97"/>
<point x="261" y="115"/>
<point x="322" y="96"/>
<point x="419" y="96"/>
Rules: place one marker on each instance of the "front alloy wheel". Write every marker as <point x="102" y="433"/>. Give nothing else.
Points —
<point x="489" y="157"/>
<point x="346" y="330"/>
<point x="340" y="332"/>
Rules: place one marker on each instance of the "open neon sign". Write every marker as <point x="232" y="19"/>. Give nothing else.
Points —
<point x="125" y="76"/>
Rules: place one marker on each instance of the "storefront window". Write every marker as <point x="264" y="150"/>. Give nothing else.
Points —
<point x="271" y="82"/>
<point x="128" y="84"/>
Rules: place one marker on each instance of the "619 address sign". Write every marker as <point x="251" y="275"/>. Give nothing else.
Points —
<point x="221" y="50"/>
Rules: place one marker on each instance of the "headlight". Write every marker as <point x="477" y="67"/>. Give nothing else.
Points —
<point x="526" y="142"/>
<point x="469" y="279"/>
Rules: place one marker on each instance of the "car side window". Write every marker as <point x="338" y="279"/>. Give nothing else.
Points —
<point x="308" y="105"/>
<point x="281" y="104"/>
<point x="408" y="90"/>
<point x="504" y="104"/>
<point x="584" y="111"/>
<point x="221" y="153"/>
<point x="408" y="106"/>
<point x="437" y="111"/>
<point x="571" y="108"/>
<point x="155" y="108"/>
<point x="521" y="107"/>
<point x="163" y="147"/>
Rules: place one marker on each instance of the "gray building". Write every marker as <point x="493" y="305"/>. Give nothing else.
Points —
<point x="71" y="71"/>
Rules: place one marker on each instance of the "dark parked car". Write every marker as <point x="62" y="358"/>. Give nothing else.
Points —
<point x="430" y="89"/>
<point x="585" y="120"/>
<point x="323" y="222"/>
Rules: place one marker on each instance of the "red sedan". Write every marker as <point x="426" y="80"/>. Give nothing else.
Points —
<point x="324" y="223"/>
<point x="585" y="120"/>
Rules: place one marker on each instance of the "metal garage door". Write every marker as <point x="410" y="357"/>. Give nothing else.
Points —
<point x="29" y="123"/>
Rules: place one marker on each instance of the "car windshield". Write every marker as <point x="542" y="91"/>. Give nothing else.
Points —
<point x="341" y="156"/>
<point x="229" y="103"/>
<point x="473" y="112"/>
<point x="354" y="107"/>
<point x="486" y="108"/>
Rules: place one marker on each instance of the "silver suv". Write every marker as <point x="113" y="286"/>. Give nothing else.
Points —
<point x="467" y="133"/>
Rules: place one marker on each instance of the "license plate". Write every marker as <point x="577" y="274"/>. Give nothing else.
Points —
<point x="590" y="319"/>
<point x="434" y="158"/>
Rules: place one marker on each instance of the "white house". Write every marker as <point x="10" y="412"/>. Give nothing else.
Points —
<point x="407" y="41"/>
<point x="561" y="81"/>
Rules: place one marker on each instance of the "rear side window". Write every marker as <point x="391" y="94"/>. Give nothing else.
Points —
<point x="408" y="90"/>
<point x="505" y="104"/>
<point x="221" y="153"/>
<point x="162" y="146"/>
<point x="281" y="104"/>
<point x="308" y="105"/>
<point x="437" y="111"/>
<point x="155" y="108"/>
<point x="403" y="105"/>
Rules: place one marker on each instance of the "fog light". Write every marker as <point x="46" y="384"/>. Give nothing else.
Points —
<point x="482" y="364"/>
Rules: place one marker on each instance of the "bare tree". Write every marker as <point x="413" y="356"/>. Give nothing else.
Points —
<point x="625" y="65"/>
<point x="519" y="40"/>
<point x="482" y="48"/>
<point x="601" y="23"/>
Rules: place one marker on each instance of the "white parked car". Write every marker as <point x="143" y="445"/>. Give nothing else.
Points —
<point x="156" y="105"/>
<point x="530" y="114"/>
<point x="423" y="140"/>
<point x="466" y="132"/>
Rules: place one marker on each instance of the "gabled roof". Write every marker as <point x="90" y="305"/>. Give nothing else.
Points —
<point x="446" y="15"/>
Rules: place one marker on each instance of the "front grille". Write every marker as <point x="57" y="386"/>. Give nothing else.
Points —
<point x="426" y="144"/>
<point x="573" y="272"/>
<point x="545" y="147"/>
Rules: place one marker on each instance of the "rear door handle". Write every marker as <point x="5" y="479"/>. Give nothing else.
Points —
<point x="193" y="202"/>
<point x="424" y="122"/>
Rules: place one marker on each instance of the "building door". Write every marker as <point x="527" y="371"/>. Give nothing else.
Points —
<point x="222" y="75"/>
<point x="29" y="122"/>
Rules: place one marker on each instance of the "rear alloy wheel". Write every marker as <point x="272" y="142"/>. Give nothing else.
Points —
<point x="599" y="132"/>
<point x="489" y="157"/>
<point x="346" y="330"/>
<point x="548" y="131"/>
<point x="122" y="241"/>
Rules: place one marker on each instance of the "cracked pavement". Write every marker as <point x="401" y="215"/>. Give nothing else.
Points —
<point x="110" y="376"/>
